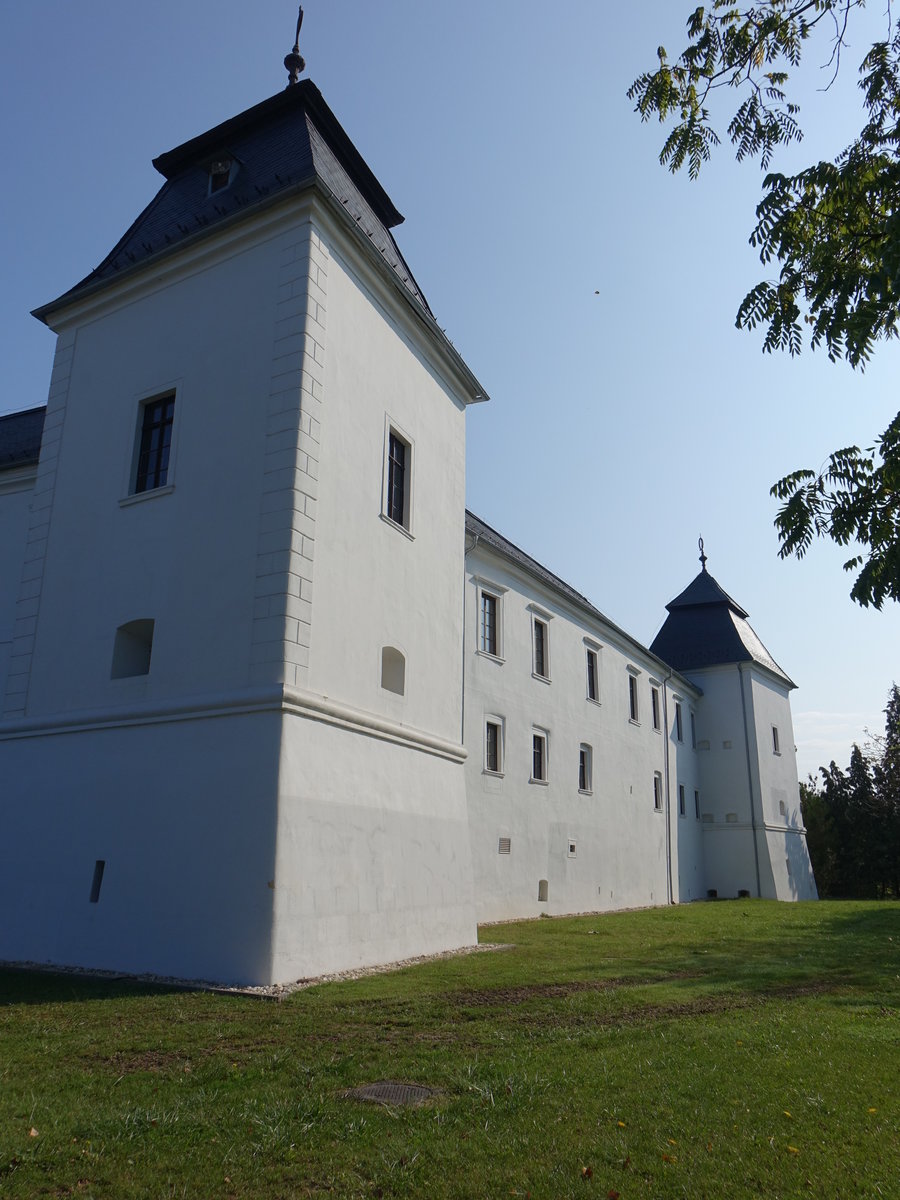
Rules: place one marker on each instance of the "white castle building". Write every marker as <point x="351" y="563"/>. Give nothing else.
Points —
<point x="273" y="703"/>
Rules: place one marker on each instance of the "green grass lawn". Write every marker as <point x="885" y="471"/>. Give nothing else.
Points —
<point x="718" y="1050"/>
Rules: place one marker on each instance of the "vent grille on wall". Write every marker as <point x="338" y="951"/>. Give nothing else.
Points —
<point x="504" y="846"/>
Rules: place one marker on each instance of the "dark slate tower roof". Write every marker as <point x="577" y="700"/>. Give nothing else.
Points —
<point x="706" y="628"/>
<point x="20" y="437"/>
<point x="286" y="144"/>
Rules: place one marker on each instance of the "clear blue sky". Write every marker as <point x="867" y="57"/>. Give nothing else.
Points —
<point x="623" y="424"/>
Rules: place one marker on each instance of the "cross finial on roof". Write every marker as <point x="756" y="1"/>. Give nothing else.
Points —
<point x="294" y="62"/>
<point x="702" y="555"/>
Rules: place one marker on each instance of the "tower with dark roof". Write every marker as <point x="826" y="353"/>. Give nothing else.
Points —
<point x="753" y="833"/>
<point x="220" y="721"/>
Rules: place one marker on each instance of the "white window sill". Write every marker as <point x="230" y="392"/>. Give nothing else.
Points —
<point x="542" y="678"/>
<point x="493" y="774"/>
<point x="632" y="721"/>
<point x="491" y="657"/>
<point x="149" y="494"/>
<point x="540" y="782"/>
<point x="585" y="792"/>
<point x="395" y="525"/>
<point x="656" y="728"/>
<point x="591" y="700"/>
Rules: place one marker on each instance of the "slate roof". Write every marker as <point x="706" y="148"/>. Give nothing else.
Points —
<point x="485" y="534"/>
<point x="20" y="437"/>
<point x="706" y="628"/>
<point x="283" y="145"/>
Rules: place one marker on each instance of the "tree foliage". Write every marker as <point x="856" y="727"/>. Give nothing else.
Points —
<point x="852" y="818"/>
<point x="833" y="229"/>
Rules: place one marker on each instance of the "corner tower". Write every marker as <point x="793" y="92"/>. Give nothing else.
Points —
<point x="754" y="840"/>
<point x="231" y="742"/>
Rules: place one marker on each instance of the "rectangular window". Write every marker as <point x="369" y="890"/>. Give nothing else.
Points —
<point x="681" y="803"/>
<point x="155" y="446"/>
<point x="696" y="804"/>
<point x="657" y="791"/>
<point x="693" y="732"/>
<point x="654" y="705"/>
<point x="488" y="630"/>
<point x="592" y="675"/>
<point x="632" y="698"/>
<point x="584" y="768"/>
<point x="493" y="746"/>
<point x="679" y="722"/>
<point x="540" y="648"/>
<point x="396" y="495"/>
<point x="539" y="757"/>
<point x="776" y="746"/>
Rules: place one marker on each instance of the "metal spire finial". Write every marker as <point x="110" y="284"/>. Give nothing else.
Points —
<point x="702" y="555"/>
<point x="293" y="62"/>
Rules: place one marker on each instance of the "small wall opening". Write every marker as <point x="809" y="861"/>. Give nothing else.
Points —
<point x="543" y="890"/>
<point x="393" y="670"/>
<point x="132" y="649"/>
<point x="99" y="867"/>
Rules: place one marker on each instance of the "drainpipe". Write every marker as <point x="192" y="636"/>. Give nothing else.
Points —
<point x="750" y="781"/>
<point x="466" y="553"/>
<point x="669" y="887"/>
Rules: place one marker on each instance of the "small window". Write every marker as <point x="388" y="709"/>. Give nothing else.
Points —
<point x="543" y="891"/>
<point x="572" y="852"/>
<point x="398" y="469"/>
<point x="696" y="804"/>
<point x="654" y="707"/>
<point x="585" y="756"/>
<point x="488" y="624"/>
<point x="679" y="722"/>
<point x="132" y="648"/>
<point x="540" y="649"/>
<point x="776" y="745"/>
<point x="539" y="765"/>
<point x="633" y="709"/>
<point x="221" y="173"/>
<point x="693" y="731"/>
<point x="657" y="791"/>
<point x="493" y="746"/>
<point x="592" y="690"/>
<point x="155" y="443"/>
<point x="681" y="801"/>
<point x="782" y="808"/>
<point x="393" y="670"/>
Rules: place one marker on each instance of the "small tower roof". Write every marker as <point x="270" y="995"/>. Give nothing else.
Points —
<point x="706" y="628"/>
<point x="277" y="148"/>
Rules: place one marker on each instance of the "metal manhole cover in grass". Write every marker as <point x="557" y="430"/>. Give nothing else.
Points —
<point x="387" y="1091"/>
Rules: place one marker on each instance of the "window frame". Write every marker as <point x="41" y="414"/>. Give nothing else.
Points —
<point x="697" y="803"/>
<point x="173" y="391"/>
<point x="657" y="792"/>
<point x="542" y="736"/>
<point x="585" y="769"/>
<point x="682" y="801"/>
<point x="678" y="721"/>
<point x="776" y="741"/>
<point x="492" y="721"/>
<point x="393" y="432"/>
<point x="486" y="587"/>
<point x="540" y="618"/>
<point x="655" y="706"/>
<point x="693" y="730"/>
<point x="634" y="703"/>
<point x="592" y="672"/>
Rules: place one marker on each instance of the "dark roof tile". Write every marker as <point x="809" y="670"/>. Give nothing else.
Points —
<point x="20" y="437"/>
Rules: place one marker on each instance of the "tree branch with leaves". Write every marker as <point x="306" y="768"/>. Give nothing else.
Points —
<point x="833" y="229"/>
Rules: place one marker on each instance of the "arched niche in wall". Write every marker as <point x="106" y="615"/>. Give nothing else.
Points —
<point x="393" y="670"/>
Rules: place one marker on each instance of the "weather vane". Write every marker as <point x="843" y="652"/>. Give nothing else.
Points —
<point x="294" y="62"/>
<point x="702" y="555"/>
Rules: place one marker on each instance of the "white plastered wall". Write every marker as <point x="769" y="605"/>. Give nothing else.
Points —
<point x="620" y="840"/>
